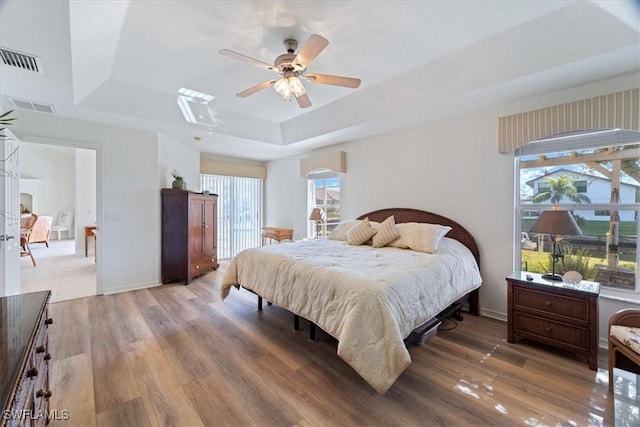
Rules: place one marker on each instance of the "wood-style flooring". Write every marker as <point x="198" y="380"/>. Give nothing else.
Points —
<point x="177" y="355"/>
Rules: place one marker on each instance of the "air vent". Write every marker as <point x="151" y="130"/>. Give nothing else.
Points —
<point x="32" y="106"/>
<point x="24" y="61"/>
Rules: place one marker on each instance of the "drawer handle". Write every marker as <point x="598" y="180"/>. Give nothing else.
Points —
<point x="197" y="266"/>
<point x="48" y="321"/>
<point x="47" y="356"/>
<point x="547" y="329"/>
<point x="40" y="349"/>
<point x="33" y="372"/>
<point x="547" y="304"/>
<point x="42" y="393"/>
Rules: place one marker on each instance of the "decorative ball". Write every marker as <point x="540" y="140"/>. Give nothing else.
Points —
<point x="572" y="277"/>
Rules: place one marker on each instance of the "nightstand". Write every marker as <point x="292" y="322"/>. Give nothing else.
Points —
<point x="558" y="314"/>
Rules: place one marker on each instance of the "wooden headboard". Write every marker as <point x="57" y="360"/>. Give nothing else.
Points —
<point x="457" y="232"/>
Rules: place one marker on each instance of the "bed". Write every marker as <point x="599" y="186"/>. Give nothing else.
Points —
<point x="370" y="299"/>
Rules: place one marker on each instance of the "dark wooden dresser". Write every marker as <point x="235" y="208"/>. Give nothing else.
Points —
<point x="24" y="361"/>
<point x="189" y="234"/>
<point x="562" y="315"/>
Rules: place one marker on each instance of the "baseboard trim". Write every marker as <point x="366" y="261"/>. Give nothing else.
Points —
<point x="133" y="287"/>
<point x="493" y="314"/>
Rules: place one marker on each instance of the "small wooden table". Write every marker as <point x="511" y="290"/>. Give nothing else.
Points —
<point x="88" y="232"/>
<point x="277" y="234"/>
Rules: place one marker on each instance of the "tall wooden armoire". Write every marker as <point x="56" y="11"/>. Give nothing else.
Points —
<point x="189" y="234"/>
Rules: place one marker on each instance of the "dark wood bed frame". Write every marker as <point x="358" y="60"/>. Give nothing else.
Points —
<point x="457" y="232"/>
<point x="426" y="330"/>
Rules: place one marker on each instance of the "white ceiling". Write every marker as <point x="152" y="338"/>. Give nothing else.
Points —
<point x="123" y="62"/>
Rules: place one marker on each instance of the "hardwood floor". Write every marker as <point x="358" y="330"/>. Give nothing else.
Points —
<point x="177" y="355"/>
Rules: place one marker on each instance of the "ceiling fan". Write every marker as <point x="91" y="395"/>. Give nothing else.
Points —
<point x="293" y="67"/>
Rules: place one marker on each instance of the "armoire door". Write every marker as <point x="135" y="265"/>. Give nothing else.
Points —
<point x="196" y="224"/>
<point x="209" y="242"/>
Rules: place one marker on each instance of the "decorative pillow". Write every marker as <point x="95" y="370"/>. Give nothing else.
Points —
<point x="340" y="232"/>
<point x="627" y="335"/>
<point x="386" y="233"/>
<point x="360" y="233"/>
<point x="420" y="237"/>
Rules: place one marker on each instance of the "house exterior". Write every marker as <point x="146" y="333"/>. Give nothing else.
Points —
<point x="592" y="184"/>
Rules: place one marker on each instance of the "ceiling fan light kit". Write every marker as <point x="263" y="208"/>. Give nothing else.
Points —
<point x="292" y="68"/>
<point x="288" y="87"/>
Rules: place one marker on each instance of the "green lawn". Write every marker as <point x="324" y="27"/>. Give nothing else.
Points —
<point x="540" y="262"/>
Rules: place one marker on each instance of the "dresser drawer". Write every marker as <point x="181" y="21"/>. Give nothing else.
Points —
<point x="202" y="265"/>
<point x="567" y="336"/>
<point x="546" y="302"/>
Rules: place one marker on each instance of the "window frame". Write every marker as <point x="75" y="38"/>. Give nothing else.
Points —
<point x="327" y="226"/>
<point x="520" y="207"/>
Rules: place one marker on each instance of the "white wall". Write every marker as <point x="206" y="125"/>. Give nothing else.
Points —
<point x="128" y="194"/>
<point x="54" y="169"/>
<point x="172" y="155"/>
<point x="451" y="167"/>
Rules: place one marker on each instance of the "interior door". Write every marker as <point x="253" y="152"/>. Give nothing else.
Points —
<point x="9" y="215"/>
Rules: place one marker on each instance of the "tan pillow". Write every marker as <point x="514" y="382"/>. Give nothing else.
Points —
<point x="340" y="232"/>
<point x="420" y="237"/>
<point x="360" y="233"/>
<point x="387" y="233"/>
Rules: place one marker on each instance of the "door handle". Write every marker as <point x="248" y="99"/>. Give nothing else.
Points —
<point x="6" y="237"/>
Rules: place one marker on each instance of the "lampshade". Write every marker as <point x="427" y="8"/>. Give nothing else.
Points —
<point x="556" y="222"/>
<point x="317" y="214"/>
<point x="288" y="87"/>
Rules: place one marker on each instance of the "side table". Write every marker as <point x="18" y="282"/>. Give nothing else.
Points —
<point x="558" y="314"/>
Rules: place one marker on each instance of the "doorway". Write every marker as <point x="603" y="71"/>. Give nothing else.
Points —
<point x="61" y="183"/>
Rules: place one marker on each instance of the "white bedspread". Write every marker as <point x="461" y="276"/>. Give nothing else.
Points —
<point x="368" y="299"/>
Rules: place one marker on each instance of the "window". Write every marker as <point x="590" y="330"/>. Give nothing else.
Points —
<point x="581" y="186"/>
<point x="543" y="187"/>
<point x="606" y="251"/>
<point x="239" y="212"/>
<point x="325" y="194"/>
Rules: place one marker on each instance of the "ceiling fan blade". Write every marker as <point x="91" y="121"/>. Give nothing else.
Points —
<point x="245" y="58"/>
<point x="256" y="88"/>
<point x="303" y="100"/>
<point x="326" y="79"/>
<point x="310" y="50"/>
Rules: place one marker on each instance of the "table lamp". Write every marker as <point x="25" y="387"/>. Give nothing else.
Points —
<point x="317" y="215"/>
<point x="555" y="222"/>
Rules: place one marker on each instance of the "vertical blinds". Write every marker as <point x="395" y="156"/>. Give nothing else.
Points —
<point x="619" y="110"/>
<point x="239" y="212"/>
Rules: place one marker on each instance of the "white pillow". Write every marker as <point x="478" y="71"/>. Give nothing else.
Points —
<point x="420" y="237"/>
<point x="386" y="233"/>
<point x="340" y="232"/>
<point x="360" y="233"/>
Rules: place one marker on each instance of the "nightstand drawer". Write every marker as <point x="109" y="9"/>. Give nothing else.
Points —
<point x="562" y="335"/>
<point x="558" y="314"/>
<point x="551" y="303"/>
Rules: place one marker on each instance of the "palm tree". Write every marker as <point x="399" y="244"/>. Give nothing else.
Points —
<point x="560" y="188"/>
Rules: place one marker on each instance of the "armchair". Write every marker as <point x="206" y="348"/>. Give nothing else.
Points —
<point x="624" y="342"/>
<point x="26" y="227"/>
<point x="41" y="230"/>
<point x="63" y="223"/>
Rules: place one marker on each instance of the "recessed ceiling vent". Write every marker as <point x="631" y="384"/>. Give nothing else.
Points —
<point x="13" y="58"/>
<point x="32" y="106"/>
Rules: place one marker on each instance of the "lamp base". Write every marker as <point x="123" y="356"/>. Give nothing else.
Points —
<point x="555" y="277"/>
